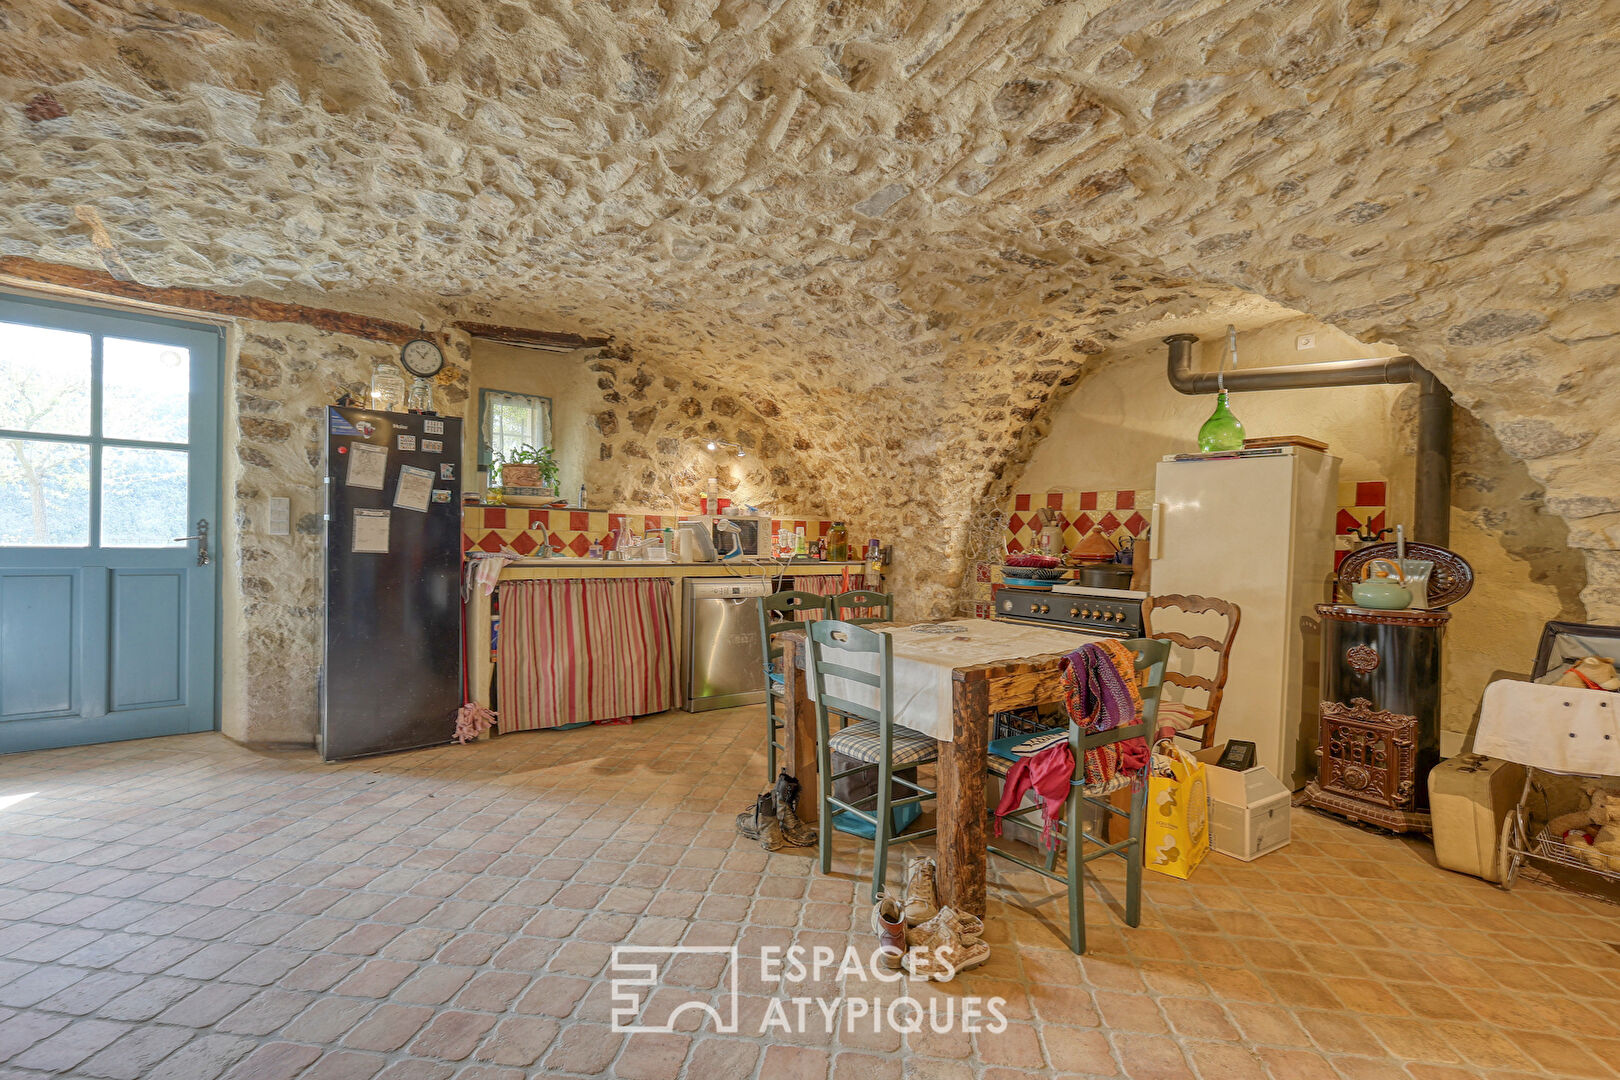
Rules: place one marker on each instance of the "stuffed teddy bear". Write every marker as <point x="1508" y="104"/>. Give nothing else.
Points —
<point x="1592" y="673"/>
<point x="1593" y="833"/>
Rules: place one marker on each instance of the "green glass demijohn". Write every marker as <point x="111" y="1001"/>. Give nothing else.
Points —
<point x="1222" y="431"/>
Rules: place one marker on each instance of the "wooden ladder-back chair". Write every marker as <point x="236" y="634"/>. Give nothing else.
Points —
<point x="1191" y="722"/>
<point x="778" y="612"/>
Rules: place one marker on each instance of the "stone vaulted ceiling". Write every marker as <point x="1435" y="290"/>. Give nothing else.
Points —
<point x="900" y="224"/>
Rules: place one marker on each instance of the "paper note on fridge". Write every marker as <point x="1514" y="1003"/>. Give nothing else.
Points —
<point x="367" y="465"/>
<point x="415" y="489"/>
<point x="371" y="531"/>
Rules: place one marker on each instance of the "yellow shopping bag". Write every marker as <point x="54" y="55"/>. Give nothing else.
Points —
<point x="1177" y="835"/>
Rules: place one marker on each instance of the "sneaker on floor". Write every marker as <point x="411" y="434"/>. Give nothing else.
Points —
<point x="921" y="902"/>
<point x="888" y="923"/>
<point x="939" y="948"/>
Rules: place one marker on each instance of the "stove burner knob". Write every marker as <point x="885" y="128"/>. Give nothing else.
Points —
<point x="1006" y="605"/>
<point x="1119" y="616"/>
<point x="1074" y="613"/>
<point x="1045" y="608"/>
<point x="1088" y="614"/>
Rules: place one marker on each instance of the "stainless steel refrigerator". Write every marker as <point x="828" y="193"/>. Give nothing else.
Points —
<point x="391" y="671"/>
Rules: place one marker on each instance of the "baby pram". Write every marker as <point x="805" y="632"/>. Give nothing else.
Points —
<point x="1555" y="729"/>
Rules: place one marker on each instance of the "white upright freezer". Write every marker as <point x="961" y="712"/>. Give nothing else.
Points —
<point x="1256" y="529"/>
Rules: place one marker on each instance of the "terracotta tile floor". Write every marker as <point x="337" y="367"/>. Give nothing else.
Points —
<point x="185" y="908"/>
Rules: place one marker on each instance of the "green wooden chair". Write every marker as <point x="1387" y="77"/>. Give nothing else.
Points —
<point x="1152" y="657"/>
<point x="861" y="600"/>
<point x="779" y="612"/>
<point x="864" y="658"/>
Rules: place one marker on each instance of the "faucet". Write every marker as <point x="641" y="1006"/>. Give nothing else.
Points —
<point x="544" y="551"/>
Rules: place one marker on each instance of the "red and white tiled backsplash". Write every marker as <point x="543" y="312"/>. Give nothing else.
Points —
<point x="1362" y="507"/>
<point x="1114" y="512"/>
<point x="571" y="532"/>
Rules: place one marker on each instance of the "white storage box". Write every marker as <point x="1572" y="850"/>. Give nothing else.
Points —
<point x="1249" y="811"/>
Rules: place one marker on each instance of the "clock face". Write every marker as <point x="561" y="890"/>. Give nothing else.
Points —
<point x="421" y="358"/>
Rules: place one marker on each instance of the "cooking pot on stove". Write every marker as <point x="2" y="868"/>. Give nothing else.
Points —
<point x="1105" y="576"/>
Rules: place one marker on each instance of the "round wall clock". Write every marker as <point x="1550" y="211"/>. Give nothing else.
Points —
<point x="421" y="358"/>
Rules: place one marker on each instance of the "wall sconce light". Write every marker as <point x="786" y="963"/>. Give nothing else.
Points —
<point x="721" y="444"/>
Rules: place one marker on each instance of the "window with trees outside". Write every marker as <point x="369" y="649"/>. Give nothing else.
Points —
<point x="507" y="420"/>
<point x="93" y="439"/>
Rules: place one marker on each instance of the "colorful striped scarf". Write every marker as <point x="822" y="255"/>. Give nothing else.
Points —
<point x="1101" y="692"/>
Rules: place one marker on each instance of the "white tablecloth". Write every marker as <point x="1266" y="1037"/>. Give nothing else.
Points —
<point x="925" y="653"/>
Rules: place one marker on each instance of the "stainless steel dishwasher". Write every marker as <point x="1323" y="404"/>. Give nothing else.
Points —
<point x="724" y="666"/>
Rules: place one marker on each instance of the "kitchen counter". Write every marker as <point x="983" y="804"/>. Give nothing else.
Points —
<point x="479" y="664"/>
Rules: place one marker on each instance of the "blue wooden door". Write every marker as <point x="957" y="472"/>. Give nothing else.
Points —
<point x="109" y="452"/>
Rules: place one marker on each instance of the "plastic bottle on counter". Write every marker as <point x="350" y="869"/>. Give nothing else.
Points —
<point x="801" y="546"/>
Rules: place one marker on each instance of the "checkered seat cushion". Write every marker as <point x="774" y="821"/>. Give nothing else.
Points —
<point x="1178" y="715"/>
<point x="864" y="742"/>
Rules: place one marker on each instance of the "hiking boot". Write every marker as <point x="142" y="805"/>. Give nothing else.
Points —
<point x="890" y="927"/>
<point x="759" y="823"/>
<point x="921" y="902"/>
<point x="794" y="831"/>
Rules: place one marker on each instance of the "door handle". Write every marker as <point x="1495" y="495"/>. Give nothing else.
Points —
<point x="1156" y="532"/>
<point x="201" y="537"/>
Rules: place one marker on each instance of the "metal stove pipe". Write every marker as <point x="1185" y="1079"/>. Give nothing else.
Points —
<point x="1432" y="509"/>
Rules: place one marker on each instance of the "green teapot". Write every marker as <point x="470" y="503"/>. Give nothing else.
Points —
<point x="1383" y="590"/>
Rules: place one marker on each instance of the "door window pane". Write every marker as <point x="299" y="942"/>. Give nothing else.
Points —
<point x="145" y="390"/>
<point x="143" y="497"/>
<point x="44" y="493"/>
<point x="44" y="380"/>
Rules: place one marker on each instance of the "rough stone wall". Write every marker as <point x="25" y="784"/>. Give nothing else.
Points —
<point x="653" y="451"/>
<point x="904" y="224"/>
<point x="280" y="378"/>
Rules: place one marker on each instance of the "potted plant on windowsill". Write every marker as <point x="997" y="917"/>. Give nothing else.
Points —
<point x="525" y="471"/>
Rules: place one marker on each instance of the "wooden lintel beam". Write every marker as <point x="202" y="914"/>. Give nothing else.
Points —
<point x="544" y="339"/>
<point x="34" y="271"/>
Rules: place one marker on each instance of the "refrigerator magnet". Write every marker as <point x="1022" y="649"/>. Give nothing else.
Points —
<point x="441" y="495"/>
<point x="367" y="466"/>
<point x="447" y="471"/>
<point x="370" y="536"/>
<point x="407" y="442"/>
<point x="432" y="446"/>
<point x="433" y="427"/>
<point x="414" y="489"/>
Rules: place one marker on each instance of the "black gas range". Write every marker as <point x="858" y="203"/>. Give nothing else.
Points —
<point x="1115" y="613"/>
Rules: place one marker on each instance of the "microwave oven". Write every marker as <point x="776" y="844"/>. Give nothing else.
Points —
<point x="753" y="535"/>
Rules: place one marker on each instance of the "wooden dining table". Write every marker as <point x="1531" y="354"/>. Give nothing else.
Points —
<point x="960" y="673"/>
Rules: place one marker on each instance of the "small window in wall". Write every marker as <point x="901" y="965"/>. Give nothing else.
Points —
<point x="508" y="420"/>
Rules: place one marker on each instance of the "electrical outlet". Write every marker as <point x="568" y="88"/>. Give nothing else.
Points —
<point x="1305" y="341"/>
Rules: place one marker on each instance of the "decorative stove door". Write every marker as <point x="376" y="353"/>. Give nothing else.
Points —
<point x="1369" y="754"/>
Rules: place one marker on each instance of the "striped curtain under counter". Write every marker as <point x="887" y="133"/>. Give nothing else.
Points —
<point x="575" y="650"/>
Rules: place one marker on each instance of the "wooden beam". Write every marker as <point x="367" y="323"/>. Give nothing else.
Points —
<point x="960" y="844"/>
<point x="535" y="339"/>
<point x="27" y="270"/>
